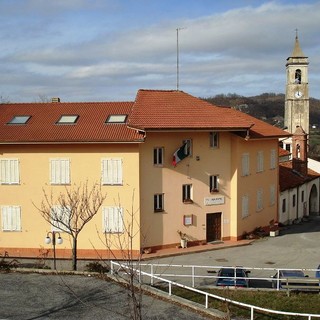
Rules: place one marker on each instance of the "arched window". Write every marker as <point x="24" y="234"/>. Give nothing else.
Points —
<point x="297" y="76"/>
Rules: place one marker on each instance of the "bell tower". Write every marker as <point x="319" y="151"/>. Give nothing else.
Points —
<point x="296" y="112"/>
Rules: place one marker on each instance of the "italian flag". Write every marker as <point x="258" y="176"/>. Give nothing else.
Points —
<point x="180" y="154"/>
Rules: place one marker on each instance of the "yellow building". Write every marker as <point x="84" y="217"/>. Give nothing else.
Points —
<point x="168" y="162"/>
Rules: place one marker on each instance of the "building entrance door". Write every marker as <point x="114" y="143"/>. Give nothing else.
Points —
<point x="213" y="226"/>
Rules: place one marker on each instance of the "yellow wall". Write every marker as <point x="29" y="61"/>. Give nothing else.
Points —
<point x="161" y="227"/>
<point x="248" y="185"/>
<point x="85" y="165"/>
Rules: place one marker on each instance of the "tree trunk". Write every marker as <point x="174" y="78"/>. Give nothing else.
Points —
<point x="74" y="254"/>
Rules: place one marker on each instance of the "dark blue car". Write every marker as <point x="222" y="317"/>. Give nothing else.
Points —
<point x="232" y="277"/>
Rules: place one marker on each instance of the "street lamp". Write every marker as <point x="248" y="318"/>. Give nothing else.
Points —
<point x="55" y="241"/>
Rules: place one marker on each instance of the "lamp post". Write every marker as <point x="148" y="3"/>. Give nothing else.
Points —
<point x="55" y="241"/>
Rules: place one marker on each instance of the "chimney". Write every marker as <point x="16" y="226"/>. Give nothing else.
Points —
<point x="56" y="99"/>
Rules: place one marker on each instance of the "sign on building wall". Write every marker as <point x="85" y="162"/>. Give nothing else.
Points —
<point x="211" y="201"/>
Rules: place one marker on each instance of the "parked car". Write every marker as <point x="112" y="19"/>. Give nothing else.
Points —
<point x="232" y="277"/>
<point x="318" y="272"/>
<point x="287" y="274"/>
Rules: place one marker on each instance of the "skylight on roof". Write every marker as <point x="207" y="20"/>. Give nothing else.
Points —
<point x="68" y="119"/>
<point x="19" y="120"/>
<point x="117" y="118"/>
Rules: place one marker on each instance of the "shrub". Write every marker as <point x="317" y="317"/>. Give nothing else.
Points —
<point x="97" y="267"/>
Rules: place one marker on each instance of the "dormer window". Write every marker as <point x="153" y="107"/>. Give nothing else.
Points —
<point x="68" y="119"/>
<point x="19" y="120"/>
<point x="117" y="118"/>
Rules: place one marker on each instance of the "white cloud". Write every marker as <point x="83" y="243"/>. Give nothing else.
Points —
<point x="89" y="50"/>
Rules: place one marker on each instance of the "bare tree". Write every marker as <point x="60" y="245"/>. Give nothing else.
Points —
<point x="120" y="245"/>
<point x="71" y="210"/>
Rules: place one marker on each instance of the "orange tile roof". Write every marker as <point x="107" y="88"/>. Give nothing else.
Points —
<point x="168" y="110"/>
<point x="289" y="179"/>
<point x="42" y="127"/>
<point x="152" y="110"/>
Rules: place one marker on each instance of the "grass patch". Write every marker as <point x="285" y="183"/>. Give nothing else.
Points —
<point x="300" y="302"/>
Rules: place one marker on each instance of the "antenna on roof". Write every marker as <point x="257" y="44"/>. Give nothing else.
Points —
<point x="178" y="29"/>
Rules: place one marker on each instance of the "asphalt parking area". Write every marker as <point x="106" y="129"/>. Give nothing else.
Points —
<point x="28" y="296"/>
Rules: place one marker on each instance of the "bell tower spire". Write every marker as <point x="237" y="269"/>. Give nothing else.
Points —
<point x="297" y="90"/>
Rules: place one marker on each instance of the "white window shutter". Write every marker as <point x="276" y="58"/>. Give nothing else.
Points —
<point x="11" y="218"/>
<point x="59" y="171"/>
<point x="112" y="219"/>
<point x="9" y="171"/>
<point x="53" y="171"/>
<point x="112" y="171"/>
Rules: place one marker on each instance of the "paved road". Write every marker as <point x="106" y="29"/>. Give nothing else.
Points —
<point x="298" y="246"/>
<point x="38" y="296"/>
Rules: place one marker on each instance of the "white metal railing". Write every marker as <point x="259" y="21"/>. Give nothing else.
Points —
<point x="207" y="295"/>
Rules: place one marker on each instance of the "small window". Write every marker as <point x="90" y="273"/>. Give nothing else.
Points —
<point x="260" y="161"/>
<point x="112" y="171"/>
<point x="186" y="193"/>
<point x="283" y="205"/>
<point x="214" y="183"/>
<point x="245" y="206"/>
<point x="214" y="139"/>
<point x="273" y="158"/>
<point x="294" y="200"/>
<point x="9" y="171"/>
<point x="19" y="120"/>
<point x="116" y="118"/>
<point x="158" y="202"/>
<point x="60" y="218"/>
<point x="188" y="147"/>
<point x="68" y="119"/>
<point x="302" y="196"/>
<point x="158" y="156"/>
<point x="245" y="164"/>
<point x="272" y="195"/>
<point x="112" y="220"/>
<point x="11" y="218"/>
<point x="259" y="199"/>
<point x="60" y="171"/>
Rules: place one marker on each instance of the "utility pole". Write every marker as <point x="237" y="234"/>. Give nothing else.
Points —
<point x="178" y="29"/>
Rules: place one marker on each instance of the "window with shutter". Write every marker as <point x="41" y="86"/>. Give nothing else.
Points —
<point x="245" y="206"/>
<point x="9" y="171"/>
<point x="245" y="164"/>
<point x="60" y="171"/>
<point x="273" y="159"/>
<point x="260" y="161"/>
<point x="112" y="171"/>
<point x="60" y="218"/>
<point x="11" y="218"/>
<point x="112" y="220"/>
<point x="259" y="199"/>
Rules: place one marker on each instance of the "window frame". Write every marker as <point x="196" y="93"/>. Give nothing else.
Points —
<point x="245" y="164"/>
<point x="245" y="206"/>
<point x="214" y="183"/>
<point x="188" y="147"/>
<point x="9" y="171"/>
<point x="60" y="223"/>
<point x="260" y="161"/>
<point x="67" y="119"/>
<point x="112" y="171"/>
<point x="259" y="200"/>
<point x="117" y="221"/>
<point x="214" y="138"/>
<point x="272" y="195"/>
<point x="12" y="213"/>
<point x="273" y="161"/>
<point x="158" y="202"/>
<point x="158" y="156"/>
<point x="187" y="193"/>
<point x="19" y="120"/>
<point x="60" y="171"/>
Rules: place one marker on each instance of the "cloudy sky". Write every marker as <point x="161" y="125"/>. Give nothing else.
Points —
<point x="105" y="50"/>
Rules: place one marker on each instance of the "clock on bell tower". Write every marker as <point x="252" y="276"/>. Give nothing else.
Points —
<point x="297" y="90"/>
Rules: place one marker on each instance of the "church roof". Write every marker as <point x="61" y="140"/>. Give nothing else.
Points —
<point x="297" y="51"/>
